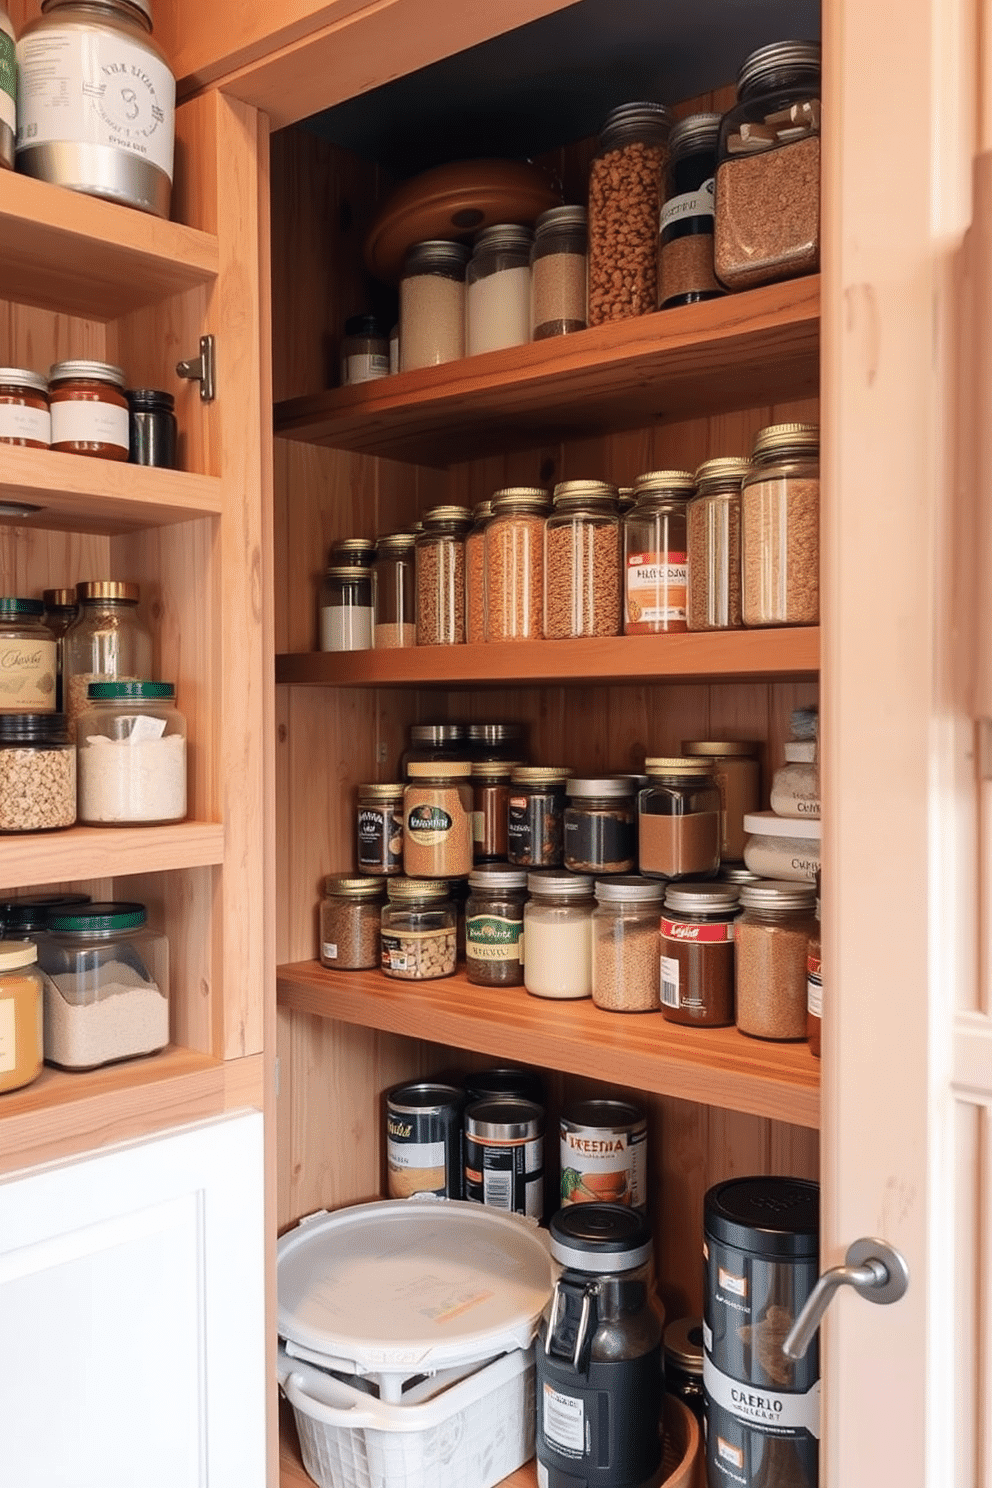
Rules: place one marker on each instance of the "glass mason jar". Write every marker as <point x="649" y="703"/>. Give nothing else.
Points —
<point x="697" y="954"/>
<point x="494" y="926"/>
<point x="394" y="593"/>
<point x="654" y="541"/>
<point x="432" y="304"/>
<point x="780" y="528"/>
<point x="679" y="816"/>
<point x="497" y="741"/>
<point x="497" y="289"/>
<point x="737" y="773"/>
<point x="349" y="923"/>
<point x="345" y="605"/>
<point x="440" y="562"/>
<point x="601" y="825"/>
<point x="107" y="642"/>
<point x="772" y="941"/>
<point x="814" y="984"/>
<point x="434" y="741"/>
<point x="364" y="350"/>
<point x="37" y="773"/>
<point x="713" y="546"/>
<point x="89" y="409"/>
<point x="515" y="564"/>
<point x="535" y="816"/>
<point x="625" y="191"/>
<point x="476" y="597"/>
<point x="107" y="986"/>
<point x="767" y="211"/>
<point x="582" y="562"/>
<point x="558" y="935"/>
<point x="437" y="819"/>
<point x="8" y="90"/>
<point x="24" y="414"/>
<point x="685" y="247"/>
<point x="418" y="930"/>
<point x="353" y="552"/>
<point x="131" y="755"/>
<point x="490" y="800"/>
<point x="28" y="661"/>
<point x="558" y="273"/>
<point x="379" y="829"/>
<point x="21" y="1014"/>
<point x="152" y="428"/>
<point x="625" y="967"/>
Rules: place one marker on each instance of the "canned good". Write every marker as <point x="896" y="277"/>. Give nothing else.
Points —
<point x="504" y="1155"/>
<point x="604" y="1145"/>
<point x="424" y="1140"/>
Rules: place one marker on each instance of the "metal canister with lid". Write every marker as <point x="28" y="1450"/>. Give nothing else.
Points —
<point x="504" y="1154"/>
<point x="424" y="1140"/>
<point x="89" y="409"/>
<point x="604" y="1147"/>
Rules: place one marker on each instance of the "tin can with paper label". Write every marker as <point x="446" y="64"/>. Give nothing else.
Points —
<point x="424" y="1140"/>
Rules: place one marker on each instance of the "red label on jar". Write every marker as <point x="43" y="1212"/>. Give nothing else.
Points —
<point x="679" y="930"/>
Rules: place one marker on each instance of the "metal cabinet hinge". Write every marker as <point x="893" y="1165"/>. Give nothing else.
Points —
<point x="203" y="370"/>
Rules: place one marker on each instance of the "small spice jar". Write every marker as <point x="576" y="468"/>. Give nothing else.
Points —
<point x="432" y="304"/>
<point x="582" y="562"/>
<point x="61" y="609"/>
<point x="131" y="755"/>
<point x="437" y="819"/>
<point x="535" y="816"/>
<point x="37" y="773"/>
<point x="814" y="984"/>
<point x="497" y="289"/>
<point x="476" y="597"/>
<point x="21" y="1014"/>
<point x="514" y="556"/>
<point x="494" y="926"/>
<point x="440" y="563"/>
<point x="379" y="829"/>
<point x="349" y="923"/>
<point x="558" y="935"/>
<point x="625" y="191"/>
<point x="679" y="818"/>
<point x="394" y="593"/>
<point x="345" y="606"/>
<point x="418" y="930"/>
<point x="796" y="784"/>
<point x="780" y="528"/>
<point x="152" y="426"/>
<point x="772" y="941"/>
<point x="697" y="954"/>
<point x="737" y="773"/>
<point x="24" y="414"/>
<point x="107" y="642"/>
<point x="767" y="209"/>
<point x="782" y="846"/>
<point x="28" y="665"/>
<point x="601" y="825"/>
<point x="625" y="968"/>
<point x="682" y="1347"/>
<point x="713" y="546"/>
<point x="8" y="91"/>
<point x="89" y="408"/>
<point x="654" y="541"/>
<point x="685" y="246"/>
<point x="490" y="800"/>
<point x="364" y="350"/>
<point x="558" y="272"/>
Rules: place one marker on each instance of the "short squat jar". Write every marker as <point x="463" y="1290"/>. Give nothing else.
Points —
<point x="24" y="414"/>
<point x="440" y="562"/>
<point x="685" y="250"/>
<point x="582" y="562"/>
<point x="28" y="657"/>
<point x="780" y="528"/>
<point x="394" y="593"/>
<point x="418" y="930"/>
<point x="89" y="409"/>
<point x="37" y="773"/>
<point x="625" y="970"/>
<point x="379" y="829"/>
<point x="152" y="424"/>
<point x="601" y="825"/>
<point x="107" y="642"/>
<point x="625" y="192"/>
<point x="713" y="546"/>
<point x="432" y="304"/>
<point x="697" y="954"/>
<point x="346" y="610"/>
<point x="654" y="541"/>
<point x="679" y="819"/>
<point x="772" y="942"/>
<point x="131" y="755"/>
<point x="21" y="1014"/>
<point x="494" y="926"/>
<point x="558" y="935"/>
<point x="558" y="268"/>
<point x="364" y="350"/>
<point x="514" y="546"/>
<point x="497" y="289"/>
<point x="349" y="923"/>
<point x="535" y="816"/>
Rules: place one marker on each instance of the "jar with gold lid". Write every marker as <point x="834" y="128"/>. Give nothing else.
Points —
<point x="713" y="545"/>
<point x="737" y="775"/>
<point x="440" y="565"/>
<point x="515" y="564"/>
<point x="780" y="528"/>
<point x="476" y="596"/>
<point x="679" y="818"/>
<point x="24" y="414"/>
<point x="21" y="1014"/>
<point x="393" y="598"/>
<point x="108" y="641"/>
<point x="89" y="408"/>
<point x="582" y="561"/>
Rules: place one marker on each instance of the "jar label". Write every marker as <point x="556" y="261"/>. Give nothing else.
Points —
<point x="670" y="996"/>
<point x="27" y="676"/>
<point x="80" y="421"/>
<point x="604" y="1166"/>
<point x="329" y="950"/>
<point x="656" y="588"/>
<point x="8" y="80"/>
<point x="380" y="838"/>
<point x="19" y="422"/>
<point x="684" y="930"/>
<point x="493" y="938"/>
<point x="778" y="1412"/>
<point x="8" y="1036"/>
<point x="814" y="986"/>
<point x="688" y="204"/>
<point x="365" y="367"/>
<point x="564" y="1421"/>
<point x="102" y="91"/>
<point x="428" y="825"/>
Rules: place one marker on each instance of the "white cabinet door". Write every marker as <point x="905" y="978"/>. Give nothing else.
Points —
<point x="132" y="1315"/>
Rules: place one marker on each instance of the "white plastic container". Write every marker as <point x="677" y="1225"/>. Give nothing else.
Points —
<point x="796" y="786"/>
<point x="782" y="847"/>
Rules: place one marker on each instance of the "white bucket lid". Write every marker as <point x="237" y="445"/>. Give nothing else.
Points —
<point x="769" y="824"/>
<point x="408" y="1286"/>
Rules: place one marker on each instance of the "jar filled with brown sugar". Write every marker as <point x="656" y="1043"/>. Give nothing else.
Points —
<point x="394" y="593"/>
<point x="89" y="410"/>
<point x="772" y="939"/>
<point x="558" y="264"/>
<point x="515" y="564"/>
<point x="582" y="562"/>
<point x="625" y="191"/>
<point x="349" y="923"/>
<point x="737" y="773"/>
<point x="654" y="542"/>
<point x="679" y="818"/>
<point x="685" y="250"/>
<point x="24" y="414"/>
<point x="440" y="564"/>
<point x="437" y="819"/>
<point x="780" y="528"/>
<point x="697" y="954"/>
<point x="713" y="545"/>
<point x="476" y="598"/>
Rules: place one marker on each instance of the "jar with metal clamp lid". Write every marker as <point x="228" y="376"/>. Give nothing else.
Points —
<point x="89" y="409"/>
<point x="582" y="562"/>
<point x="654" y="540"/>
<point x="713" y="545"/>
<point x="780" y="528"/>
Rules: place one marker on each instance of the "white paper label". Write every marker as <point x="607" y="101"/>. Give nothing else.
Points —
<point x="329" y="950"/>
<point x="8" y="1036"/>
<point x="19" y="422"/>
<point x="416" y="1154"/>
<point x="564" y="1421"/>
<point x="688" y="204"/>
<point x="80" y="421"/>
<point x="779" y="1412"/>
<point x="669" y="982"/>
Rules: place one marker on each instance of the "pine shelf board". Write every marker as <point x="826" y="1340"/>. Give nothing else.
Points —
<point x="81" y="494"/>
<point x="32" y="858"/>
<point x="712" y="1066"/>
<point x="744" y="350"/>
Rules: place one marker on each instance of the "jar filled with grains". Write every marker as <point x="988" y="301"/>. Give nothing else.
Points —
<point x="780" y="528"/>
<point x="625" y="967"/>
<point x="437" y="819"/>
<point x="697" y="954"/>
<point x="418" y="930"/>
<point x="432" y="304"/>
<point x="37" y="773"/>
<point x="582" y="562"/>
<point x="24" y="415"/>
<point x="476" y="599"/>
<point x="28" y="662"/>
<point x="497" y="289"/>
<point x="679" y="817"/>
<point x="515" y="564"/>
<point x="713" y="545"/>
<point x="814" y="984"/>
<point x="349" y="923"/>
<point x="107" y="642"/>
<point x="558" y="935"/>
<point x="767" y="210"/>
<point x="131" y="755"/>
<point x="654" y="540"/>
<point x="379" y="829"/>
<point x="737" y="773"/>
<point x="21" y="1014"/>
<point x="494" y="927"/>
<point x="772" y="940"/>
<point x="490" y="800"/>
<point x="535" y="816"/>
<point x="685" y="250"/>
<point x="61" y="609"/>
<point x="440" y="562"/>
<point x="345" y="607"/>
<point x="394" y="593"/>
<point x="601" y="825"/>
<point x="558" y="265"/>
<point x="625" y="191"/>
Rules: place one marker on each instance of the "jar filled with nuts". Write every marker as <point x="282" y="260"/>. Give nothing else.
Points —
<point x="349" y="923"/>
<point x="418" y="930"/>
<point x="515" y="564"/>
<point x="37" y="773"/>
<point x="772" y="940"/>
<point x="626" y="974"/>
<point x="685" y="252"/>
<point x="582" y="562"/>
<point x="654" y="541"/>
<point x="476" y="601"/>
<point x="441" y="576"/>
<point x="625" y="191"/>
<point x="713" y="545"/>
<point x="780" y="528"/>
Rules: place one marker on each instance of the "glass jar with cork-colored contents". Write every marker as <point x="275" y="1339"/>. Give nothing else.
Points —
<point x="713" y="545"/>
<point x="514" y="555"/>
<point x="418" y="930"/>
<point x="437" y="819"/>
<point x="625" y="966"/>
<point x="345" y="608"/>
<point x="440" y="567"/>
<point x="476" y="596"/>
<point x="558" y="935"/>
<point x="28" y="664"/>
<point x="582" y="548"/>
<point x="349" y="922"/>
<point x="131" y="755"/>
<point x="432" y="304"/>
<point x="685" y="247"/>
<point x="679" y="818"/>
<point x="626" y="178"/>
<point x="558" y="272"/>
<point x="394" y="593"/>
<point x="535" y="816"/>
<point x="107" y="642"/>
<point x="780" y="528"/>
<point x="24" y="413"/>
<point x="601" y="825"/>
<point x="89" y="409"/>
<point x="772" y="942"/>
<point x="737" y="773"/>
<point x="654" y="542"/>
<point x="697" y="953"/>
<point x="490" y="800"/>
<point x="497" y="289"/>
<point x="21" y="1014"/>
<point x="379" y="829"/>
<point x="37" y="773"/>
<point x="494" y="926"/>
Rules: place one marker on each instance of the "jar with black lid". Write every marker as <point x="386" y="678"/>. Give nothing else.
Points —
<point x="152" y="427"/>
<point x="37" y="773"/>
<point x="28" y="663"/>
<point x="379" y="829"/>
<point x="697" y="954"/>
<point x="685" y="256"/>
<point x="494" y="926"/>
<point x="89" y="409"/>
<point x="654" y="541"/>
<point x="535" y="818"/>
<point x="440" y="564"/>
<point x="713" y="545"/>
<point x="349" y="923"/>
<point x="364" y="350"/>
<point x="683" y="1350"/>
<point x="558" y="268"/>
<point x="679" y="815"/>
<point x="780" y="527"/>
<point x="432" y="304"/>
<point x="24" y="414"/>
<point x="582" y="556"/>
<point x="26" y="918"/>
<point x="625" y="191"/>
<point x="601" y="825"/>
<point x="394" y="593"/>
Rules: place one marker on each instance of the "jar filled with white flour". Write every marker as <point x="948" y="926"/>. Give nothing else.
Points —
<point x="131" y="755"/>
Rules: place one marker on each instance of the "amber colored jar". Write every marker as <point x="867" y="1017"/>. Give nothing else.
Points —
<point x="24" y="415"/>
<point x="90" y="413"/>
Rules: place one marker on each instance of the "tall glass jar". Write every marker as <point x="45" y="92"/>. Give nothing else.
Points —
<point x="654" y="540"/>
<point x="476" y="598"/>
<point x="558" y="270"/>
<point x="108" y="641"/>
<point x="582" y="562"/>
<point x="772" y="939"/>
<point x="28" y="661"/>
<point x="432" y="304"/>
<point x="780" y="528"/>
<point x="737" y="774"/>
<point x="697" y="954"/>
<point x="418" y="930"/>
<point x="679" y="819"/>
<point x="558" y="935"/>
<point x="515" y="564"/>
<point x="685" y="250"/>
<point x="394" y="593"/>
<point x="440" y="562"/>
<point x="21" y="1014"/>
<point x="625" y="966"/>
<point x="89" y="410"/>
<point x="497" y="289"/>
<point x="490" y="800"/>
<point x="131" y="755"/>
<point x="767" y="213"/>
<point x="535" y="816"/>
<point x="349" y="923"/>
<point x="345" y="609"/>
<point x="713" y="546"/>
<point x="601" y="825"/>
<point x="494" y="926"/>
<point x="625" y="191"/>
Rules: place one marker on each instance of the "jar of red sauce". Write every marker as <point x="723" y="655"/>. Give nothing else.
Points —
<point x="89" y="409"/>
<point x="24" y="416"/>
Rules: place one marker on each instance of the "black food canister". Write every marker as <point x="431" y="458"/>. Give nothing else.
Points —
<point x="760" y="1263"/>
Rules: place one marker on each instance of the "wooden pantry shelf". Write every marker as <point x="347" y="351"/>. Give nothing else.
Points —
<point x="104" y="852"/>
<point x="714" y="1066"/>
<point x="743" y="350"/>
<point x="105" y="496"/>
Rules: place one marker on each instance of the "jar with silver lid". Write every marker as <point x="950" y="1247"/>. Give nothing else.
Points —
<point x="494" y="926"/>
<point x="497" y="289"/>
<point x="697" y="954"/>
<point x="497" y="741"/>
<point x="772" y="943"/>
<point x="440" y="565"/>
<point x="654" y="541"/>
<point x="625" y="971"/>
<point x="558" y="935"/>
<point x="625" y="190"/>
<point x="8" y="90"/>
<point x="582" y="562"/>
<point x="780" y="527"/>
<point x="27" y="657"/>
<point x="121" y="149"/>
<point x="418" y="929"/>
<point x="432" y="304"/>
<point x="25" y="418"/>
<point x="558" y="270"/>
<point x="685" y="250"/>
<point x="89" y="410"/>
<point x="346" y="609"/>
<point x="713" y="545"/>
<point x="601" y="825"/>
<point x="434" y="741"/>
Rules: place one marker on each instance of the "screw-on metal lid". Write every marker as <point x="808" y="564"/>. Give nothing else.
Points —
<point x="641" y="120"/>
<point x="30" y="608"/>
<point x="347" y="572"/>
<point x="737" y="873"/>
<point x="84" y="371"/>
<point x="115" y="589"/>
<point x="716" y="748"/>
<point x="495" y="876"/>
<point x="30" y="915"/>
<point x="439" y="769"/>
<point x="677" y="764"/>
<point x="497" y="769"/>
<point x="345" y="887"/>
<point x="418" y="888"/>
<point x="694" y="134"/>
<point x="559" y="885"/>
<point x="495" y="733"/>
<point x="534" y="505"/>
<point x="540" y="775"/>
<point x="585" y="490"/>
<point x="722" y="474"/>
<point x="131" y="691"/>
<point x="22" y="377"/>
<point x="556" y="217"/>
<point x="678" y="483"/>
<point x="507" y="236"/>
<point x="423" y="1095"/>
<point x="604" y="1238"/>
<point x="15" y="953"/>
<point x="356" y="550"/>
<point x="437" y="733"/>
<point x="786" y="439"/>
<point x="629" y="889"/>
<point x="683" y="1344"/>
<point x="381" y="792"/>
<point x="59" y="599"/>
<point x="607" y="785"/>
<point x="394" y="543"/>
<point x="437" y="256"/>
<point x="98" y="919"/>
<point x="776" y="893"/>
<point x="439" y="516"/>
<point x="534" y="493"/>
<point x="701" y="898"/>
<point x="777" y="65"/>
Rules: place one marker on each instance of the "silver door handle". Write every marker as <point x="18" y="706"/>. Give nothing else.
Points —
<point x="875" y="1271"/>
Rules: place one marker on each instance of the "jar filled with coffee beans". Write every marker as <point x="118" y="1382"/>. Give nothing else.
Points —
<point x="494" y="926"/>
<point x="780" y="528"/>
<point x="418" y="929"/>
<point x="582" y="562"/>
<point x="441" y="576"/>
<point x="713" y="545"/>
<point x="625" y="192"/>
